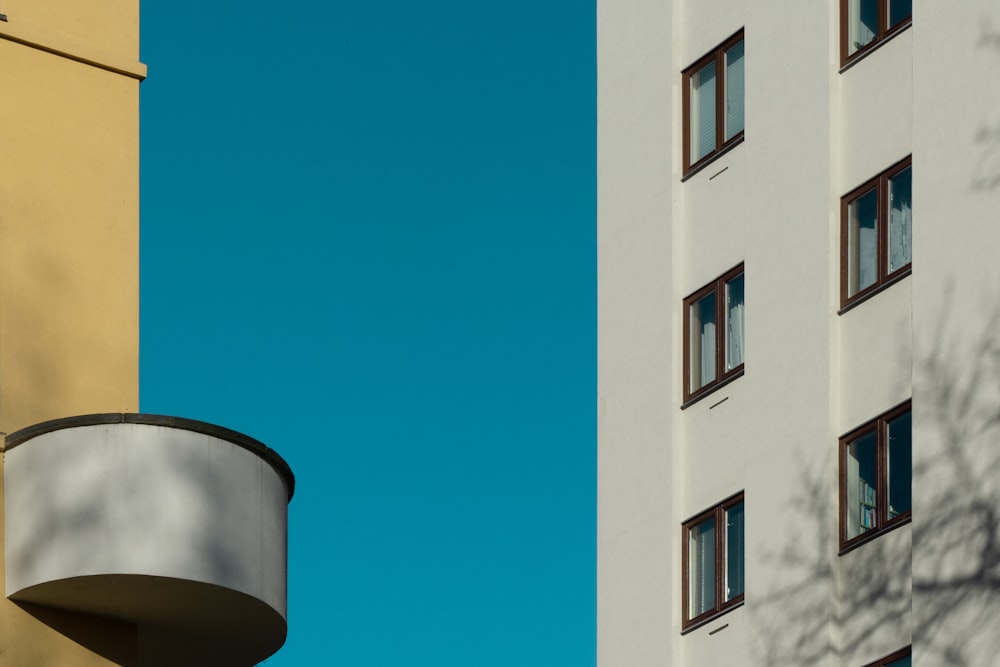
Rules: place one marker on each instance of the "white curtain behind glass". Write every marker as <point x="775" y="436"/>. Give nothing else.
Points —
<point x="900" y="219"/>
<point x="862" y="23"/>
<point x="862" y="495"/>
<point x="900" y="236"/>
<point x="702" y="112"/>
<point x="701" y="566"/>
<point x="853" y="499"/>
<point x="868" y="260"/>
<point x="863" y="241"/>
<point x="735" y="309"/>
<point x="702" y="361"/>
<point x="734" y="91"/>
<point x="707" y="353"/>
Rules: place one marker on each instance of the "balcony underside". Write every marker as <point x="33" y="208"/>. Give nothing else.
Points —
<point x="197" y="623"/>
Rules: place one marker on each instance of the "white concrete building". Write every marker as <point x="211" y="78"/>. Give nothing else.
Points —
<point x="798" y="357"/>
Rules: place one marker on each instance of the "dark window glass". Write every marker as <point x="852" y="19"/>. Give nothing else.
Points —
<point x="877" y="233"/>
<point x="713" y="90"/>
<point x="876" y="469"/>
<point x="734" y="552"/>
<point x="900" y="464"/>
<point x="899" y="11"/>
<point x="900" y="658"/>
<point x="714" y="354"/>
<point x="866" y="23"/>
<point x="713" y="564"/>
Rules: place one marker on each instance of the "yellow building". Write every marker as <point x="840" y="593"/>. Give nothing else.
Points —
<point x="128" y="539"/>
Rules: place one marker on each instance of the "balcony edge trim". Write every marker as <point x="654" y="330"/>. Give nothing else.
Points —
<point x="253" y="445"/>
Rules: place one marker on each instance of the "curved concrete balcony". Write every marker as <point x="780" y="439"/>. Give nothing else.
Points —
<point x="175" y="525"/>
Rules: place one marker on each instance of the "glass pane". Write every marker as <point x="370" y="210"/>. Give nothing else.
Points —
<point x="902" y="662"/>
<point x="862" y="23"/>
<point x="900" y="464"/>
<point x="702" y="342"/>
<point x="734" y="552"/>
<point x="702" y="112"/>
<point x="734" y="90"/>
<point x="861" y="483"/>
<point x="862" y="240"/>
<point x="900" y="219"/>
<point x="899" y="11"/>
<point x="735" y="308"/>
<point x="701" y="568"/>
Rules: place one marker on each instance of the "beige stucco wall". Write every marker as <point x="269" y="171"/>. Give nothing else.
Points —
<point x="68" y="255"/>
<point x="69" y="238"/>
<point x="105" y="31"/>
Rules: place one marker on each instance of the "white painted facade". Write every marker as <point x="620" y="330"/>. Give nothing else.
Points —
<point x="813" y="132"/>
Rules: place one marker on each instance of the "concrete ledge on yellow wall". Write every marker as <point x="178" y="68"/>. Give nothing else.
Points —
<point x="56" y="44"/>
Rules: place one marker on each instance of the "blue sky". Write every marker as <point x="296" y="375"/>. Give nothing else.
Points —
<point x="368" y="240"/>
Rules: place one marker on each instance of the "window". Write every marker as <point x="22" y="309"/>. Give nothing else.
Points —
<point x="864" y="24"/>
<point x="713" y="103"/>
<point x="876" y="235"/>
<point x="713" y="335"/>
<point x="875" y="477"/>
<point x="713" y="562"/>
<point x="900" y="658"/>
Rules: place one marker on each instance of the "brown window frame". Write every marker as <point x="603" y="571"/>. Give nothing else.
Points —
<point x="885" y="32"/>
<point x="721" y="145"/>
<point x="883" y="524"/>
<point x="722" y="376"/>
<point x="884" y="277"/>
<point x="717" y="512"/>
<point x="891" y="658"/>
